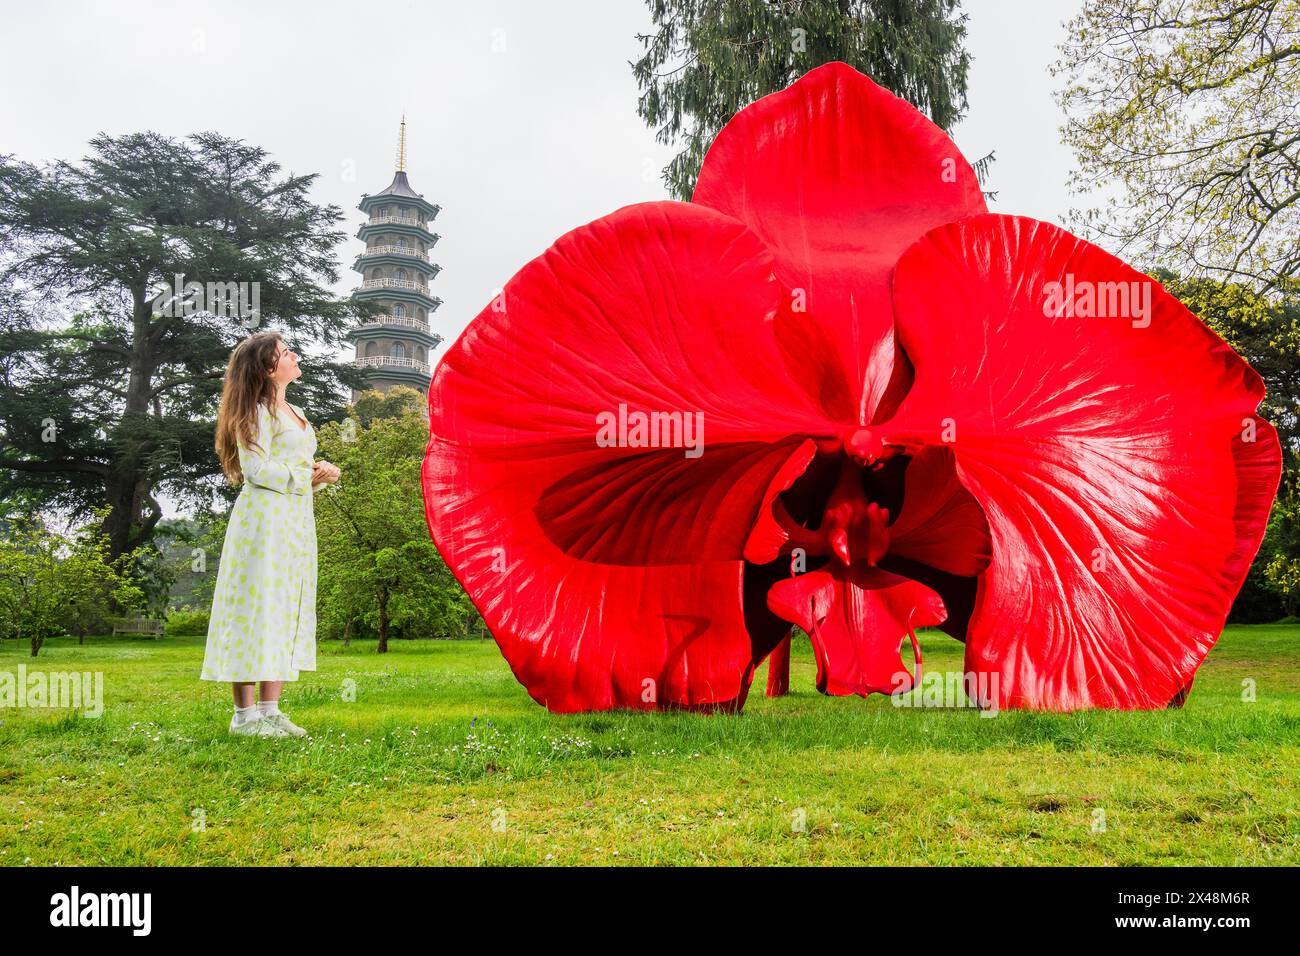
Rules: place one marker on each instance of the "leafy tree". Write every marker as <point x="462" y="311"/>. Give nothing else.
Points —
<point x="395" y="403"/>
<point x="711" y="58"/>
<point x="51" y="584"/>
<point x="1185" y="111"/>
<point x="1278" y="566"/>
<point x="180" y="562"/>
<point x="108" y="386"/>
<point x="209" y="538"/>
<point x="378" y="570"/>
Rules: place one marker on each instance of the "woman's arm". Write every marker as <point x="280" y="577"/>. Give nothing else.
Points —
<point x="262" y="470"/>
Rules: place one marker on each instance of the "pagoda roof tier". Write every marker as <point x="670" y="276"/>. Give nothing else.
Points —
<point x="399" y="192"/>
<point x="390" y="328"/>
<point x="389" y="256"/>
<point x="386" y="370"/>
<point x="399" y="290"/>
<point x="398" y="227"/>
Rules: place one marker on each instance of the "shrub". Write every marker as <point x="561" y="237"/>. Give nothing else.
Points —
<point x="187" y="623"/>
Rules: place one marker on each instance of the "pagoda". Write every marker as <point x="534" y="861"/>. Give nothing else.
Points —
<point x="396" y="345"/>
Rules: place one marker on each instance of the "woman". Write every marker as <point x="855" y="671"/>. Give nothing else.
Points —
<point x="263" y="623"/>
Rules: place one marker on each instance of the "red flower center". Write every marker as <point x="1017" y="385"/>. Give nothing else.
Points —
<point x="848" y="519"/>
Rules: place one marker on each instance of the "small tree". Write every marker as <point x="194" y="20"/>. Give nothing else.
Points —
<point x="379" y="571"/>
<point x="395" y="403"/>
<point x="51" y="584"/>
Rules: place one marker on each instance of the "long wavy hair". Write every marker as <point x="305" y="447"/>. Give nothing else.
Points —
<point x="247" y="384"/>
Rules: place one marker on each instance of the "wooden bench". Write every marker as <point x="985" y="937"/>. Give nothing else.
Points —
<point x="137" y="625"/>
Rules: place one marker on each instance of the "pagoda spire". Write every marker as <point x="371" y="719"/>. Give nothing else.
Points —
<point x="395" y="345"/>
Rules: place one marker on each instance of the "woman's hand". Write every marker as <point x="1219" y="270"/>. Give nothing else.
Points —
<point x="322" y="472"/>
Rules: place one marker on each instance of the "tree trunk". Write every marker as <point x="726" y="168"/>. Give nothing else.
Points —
<point x="778" y="670"/>
<point x="117" y="524"/>
<point x="128" y="488"/>
<point x="383" y="621"/>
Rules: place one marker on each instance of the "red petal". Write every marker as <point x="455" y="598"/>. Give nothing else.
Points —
<point x="612" y="576"/>
<point x="1106" y="452"/>
<point x="767" y="537"/>
<point x="941" y="523"/>
<point x="838" y="176"/>
<point x="857" y="621"/>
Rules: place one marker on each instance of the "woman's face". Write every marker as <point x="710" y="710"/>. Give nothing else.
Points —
<point x="286" y="366"/>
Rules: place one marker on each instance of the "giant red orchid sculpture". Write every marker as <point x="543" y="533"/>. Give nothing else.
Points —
<point x="834" y="391"/>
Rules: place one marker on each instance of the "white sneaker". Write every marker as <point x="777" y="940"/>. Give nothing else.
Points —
<point x="282" y="721"/>
<point x="259" y="727"/>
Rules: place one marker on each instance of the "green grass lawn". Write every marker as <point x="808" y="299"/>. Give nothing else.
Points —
<point x="443" y="759"/>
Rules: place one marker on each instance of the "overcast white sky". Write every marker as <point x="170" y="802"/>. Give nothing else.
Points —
<point x="521" y="116"/>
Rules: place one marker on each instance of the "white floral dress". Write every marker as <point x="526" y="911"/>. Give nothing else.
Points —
<point x="263" y="620"/>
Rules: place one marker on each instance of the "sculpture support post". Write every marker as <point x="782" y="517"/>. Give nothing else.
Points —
<point x="778" y="670"/>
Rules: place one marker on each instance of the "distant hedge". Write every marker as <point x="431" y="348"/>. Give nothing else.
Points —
<point x="187" y="623"/>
